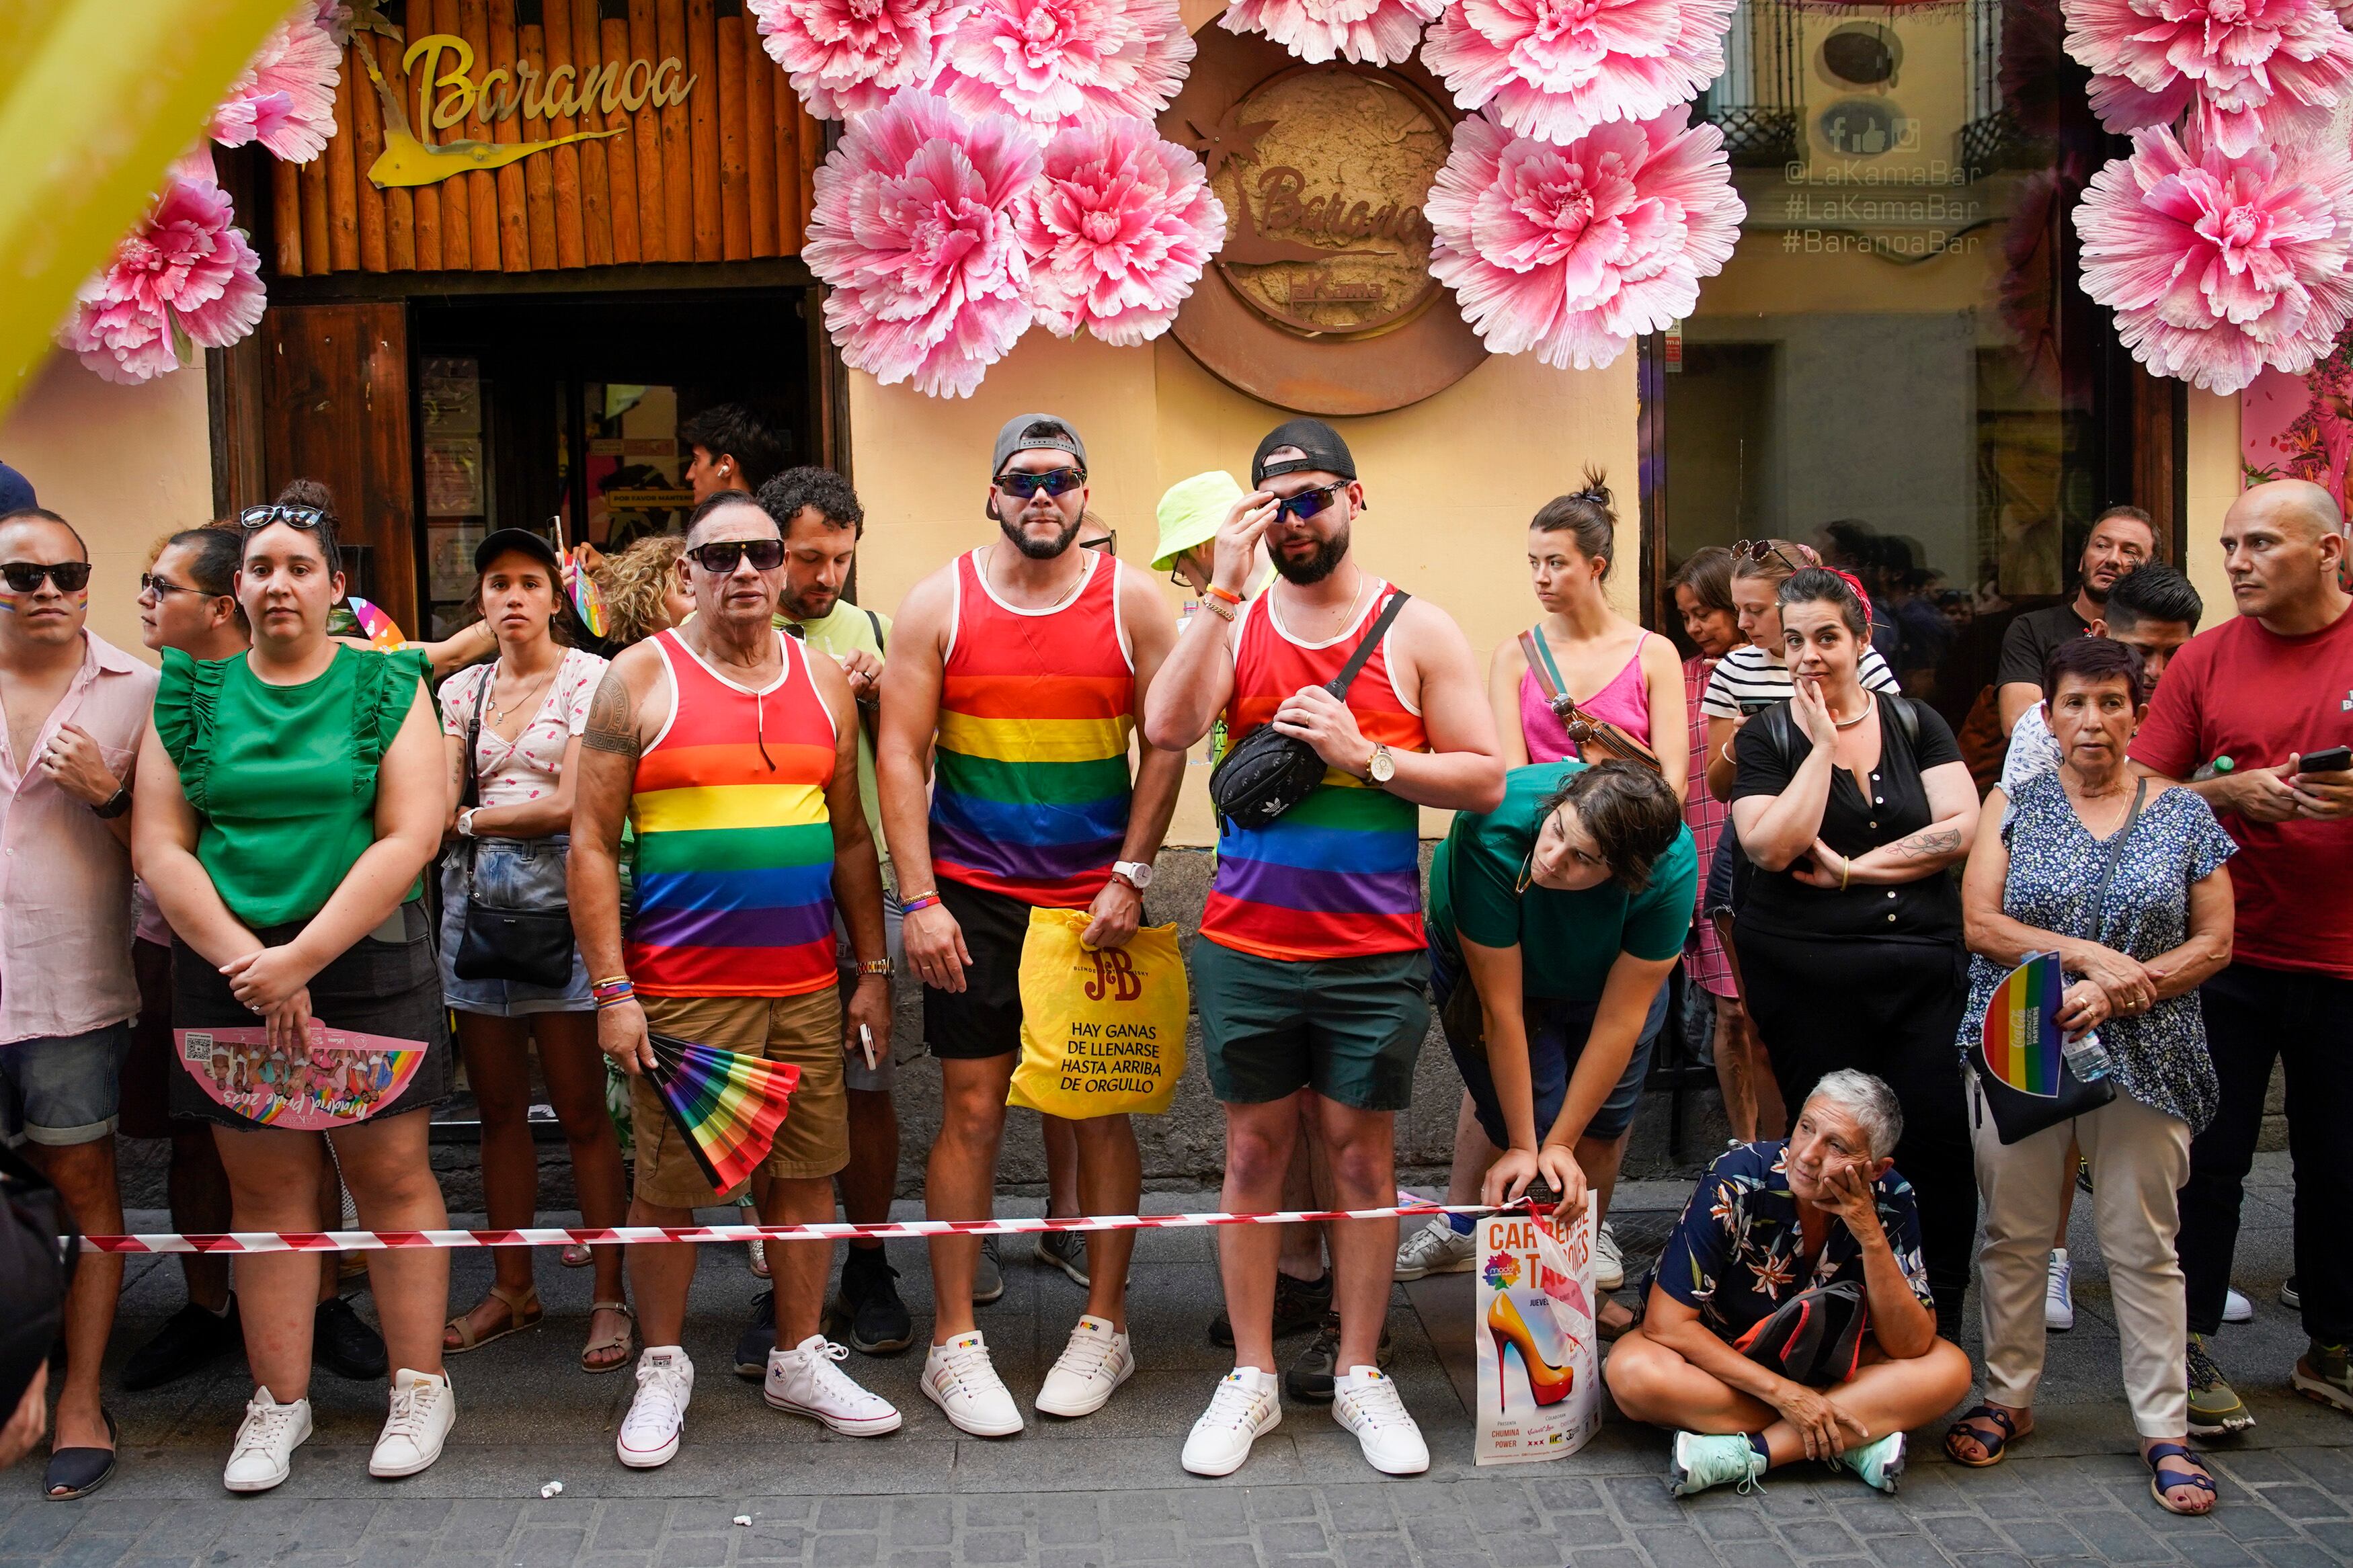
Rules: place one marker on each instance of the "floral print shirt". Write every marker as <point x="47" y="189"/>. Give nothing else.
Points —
<point x="1738" y="1253"/>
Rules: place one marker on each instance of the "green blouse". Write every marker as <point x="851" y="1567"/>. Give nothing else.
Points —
<point x="283" y="777"/>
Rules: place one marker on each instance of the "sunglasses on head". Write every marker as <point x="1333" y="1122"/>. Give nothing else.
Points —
<point x="1053" y="481"/>
<point x="720" y="559"/>
<point x="1108" y="543"/>
<point x="1307" y="503"/>
<point x="25" y="576"/>
<point x="1758" y="549"/>
<point x="291" y="516"/>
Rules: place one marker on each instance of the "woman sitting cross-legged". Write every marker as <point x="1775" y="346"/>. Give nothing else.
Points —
<point x="1789" y="1316"/>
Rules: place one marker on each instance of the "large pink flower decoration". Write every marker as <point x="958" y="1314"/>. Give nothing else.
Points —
<point x="1574" y="251"/>
<point x="846" y="57"/>
<point x="2218" y="266"/>
<point x="1555" y="68"/>
<point x="1054" y="63"/>
<point x="182" y="280"/>
<point x="2255" y="70"/>
<point x="285" y="99"/>
<point x="1369" y="32"/>
<point x="913" y="230"/>
<point x="1118" y="229"/>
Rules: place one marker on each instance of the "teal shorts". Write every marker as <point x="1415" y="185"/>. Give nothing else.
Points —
<point x="1349" y="1028"/>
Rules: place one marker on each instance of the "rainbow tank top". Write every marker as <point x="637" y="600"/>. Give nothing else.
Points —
<point x="1036" y="708"/>
<point x="735" y="867"/>
<point x="1338" y="875"/>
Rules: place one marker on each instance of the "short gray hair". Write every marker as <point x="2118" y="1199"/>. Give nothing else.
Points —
<point x="1869" y="1100"/>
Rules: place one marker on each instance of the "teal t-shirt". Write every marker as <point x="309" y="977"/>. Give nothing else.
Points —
<point x="1567" y="941"/>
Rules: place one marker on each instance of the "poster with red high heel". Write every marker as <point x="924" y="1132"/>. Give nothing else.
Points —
<point x="1539" y="1356"/>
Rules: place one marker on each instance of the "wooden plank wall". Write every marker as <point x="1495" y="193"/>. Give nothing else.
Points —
<point x="724" y="177"/>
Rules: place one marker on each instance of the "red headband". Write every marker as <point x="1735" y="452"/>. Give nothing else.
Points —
<point x="1855" y="583"/>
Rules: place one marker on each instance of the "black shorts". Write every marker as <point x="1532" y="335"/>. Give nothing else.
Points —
<point x="983" y="1019"/>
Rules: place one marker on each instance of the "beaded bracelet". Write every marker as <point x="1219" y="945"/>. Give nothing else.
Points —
<point x="920" y="901"/>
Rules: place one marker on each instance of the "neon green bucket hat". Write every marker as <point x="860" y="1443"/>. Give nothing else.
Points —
<point x="1191" y="511"/>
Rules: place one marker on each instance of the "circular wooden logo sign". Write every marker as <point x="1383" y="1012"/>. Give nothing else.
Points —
<point x="1322" y="300"/>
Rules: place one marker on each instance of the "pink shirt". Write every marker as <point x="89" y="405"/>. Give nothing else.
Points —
<point x="65" y="878"/>
<point x="528" y="767"/>
<point x="1625" y="701"/>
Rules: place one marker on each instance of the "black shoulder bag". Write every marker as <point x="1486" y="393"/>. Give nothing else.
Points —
<point x="528" y="947"/>
<point x="1267" y="772"/>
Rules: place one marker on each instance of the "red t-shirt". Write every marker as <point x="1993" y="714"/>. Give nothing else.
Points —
<point x="2252" y="695"/>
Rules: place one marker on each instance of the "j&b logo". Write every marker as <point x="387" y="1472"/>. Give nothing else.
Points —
<point x="1115" y="976"/>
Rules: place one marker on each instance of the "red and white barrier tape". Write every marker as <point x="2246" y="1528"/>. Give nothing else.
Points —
<point x="376" y="1240"/>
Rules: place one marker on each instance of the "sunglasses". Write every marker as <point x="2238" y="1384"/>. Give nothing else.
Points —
<point x="291" y="516"/>
<point x="1108" y="543"/>
<point x="150" y="583"/>
<point x="720" y="559"/>
<point x="1053" y="481"/>
<point x="25" y="576"/>
<point x="1758" y="549"/>
<point x="1307" y="503"/>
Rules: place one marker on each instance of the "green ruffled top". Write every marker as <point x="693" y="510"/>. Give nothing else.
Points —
<point x="283" y="777"/>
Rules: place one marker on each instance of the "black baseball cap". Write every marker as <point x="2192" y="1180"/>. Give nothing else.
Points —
<point x="1326" y="453"/>
<point x="1057" y="437"/>
<point x="502" y="540"/>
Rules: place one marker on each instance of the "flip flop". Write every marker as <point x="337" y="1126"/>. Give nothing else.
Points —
<point x="576" y="1256"/>
<point x="2158" y="1486"/>
<point x="523" y="1311"/>
<point x="620" y="1341"/>
<point x="1996" y="1445"/>
<point x="81" y="1471"/>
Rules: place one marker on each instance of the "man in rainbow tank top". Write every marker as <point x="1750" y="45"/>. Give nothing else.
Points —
<point x="1311" y="977"/>
<point x="1018" y="673"/>
<point x="734" y="754"/>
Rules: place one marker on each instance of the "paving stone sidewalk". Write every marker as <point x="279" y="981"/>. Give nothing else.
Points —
<point x="1108" y="1491"/>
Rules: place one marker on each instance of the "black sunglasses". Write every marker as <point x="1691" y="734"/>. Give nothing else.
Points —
<point x="1108" y="543"/>
<point x="291" y="516"/>
<point x="1053" y="481"/>
<point x="1758" y="549"/>
<point x="1307" y="503"/>
<point x="25" y="576"/>
<point x="720" y="559"/>
<point x="159" y="586"/>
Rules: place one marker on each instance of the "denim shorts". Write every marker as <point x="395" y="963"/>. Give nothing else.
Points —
<point x="512" y="873"/>
<point x="62" y="1089"/>
<point x="1557" y="1032"/>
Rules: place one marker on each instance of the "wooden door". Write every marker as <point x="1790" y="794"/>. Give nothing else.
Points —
<point x="336" y="406"/>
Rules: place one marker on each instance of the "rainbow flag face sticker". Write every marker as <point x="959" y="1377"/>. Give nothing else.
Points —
<point x="2021" y="1029"/>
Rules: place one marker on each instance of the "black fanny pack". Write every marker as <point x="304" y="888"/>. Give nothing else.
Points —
<point x="1267" y="772"/>
<point x="525" y="946"/>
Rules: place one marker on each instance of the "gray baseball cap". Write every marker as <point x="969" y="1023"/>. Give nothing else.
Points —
<point x="1014" y="437"/>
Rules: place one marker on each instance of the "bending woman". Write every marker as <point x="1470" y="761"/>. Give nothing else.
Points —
<point x="288" y="799"/>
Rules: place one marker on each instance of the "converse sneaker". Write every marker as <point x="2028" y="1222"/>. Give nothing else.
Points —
<point x="1367" y="1402"/>
<point x="1243" y="1406"/>
<point x="1095" y="1362"/>
<point x="805" y="1381"/>
<point x="2237" y="1308"/>
<point x="1435" y="1248"/>
<point x="2059" y="1293"/>
<point x="959" y="1378"/>
<point x="657" y="1417"/>
<point x="263" y="1454"/>
<point x="2215" y="1408"/>
<point x="423" y="1411"/>
<point x="1609" y="1263"/>
<point x="1699" y="1460"/>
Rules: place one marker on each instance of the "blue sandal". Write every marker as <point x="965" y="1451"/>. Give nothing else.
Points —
<point x="2158" y="1486"/>
<point x="1996" y="1445"/>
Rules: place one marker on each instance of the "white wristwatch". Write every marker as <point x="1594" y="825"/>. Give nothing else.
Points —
<point x="466" y="822"/>
<point x="1137" y="874"/>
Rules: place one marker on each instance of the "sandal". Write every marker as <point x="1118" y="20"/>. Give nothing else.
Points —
<point x="77" y="1472"/>
<point x="576" y="1256"/>
<point x="620" y="1341"/>
<point x="2183" y="1461"/>
<point x="523" y="1311"/>
<point x="1996" y="1445"/>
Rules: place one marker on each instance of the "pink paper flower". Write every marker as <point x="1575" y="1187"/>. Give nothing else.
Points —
<point x="1055" y="63"/>
<point x="1573" y="251"/>
<point x="182" y="280"/>
<point x="1369" y="32"/>
<point x="2217" y="266"/>
<point x="913" y="229"/>
<point x="848" y="56"/>
<point x="2255" y="70"/>
<point x="1555" y="68"/>
<point x="1117" y="229"/>
<point x="285" y="98"/>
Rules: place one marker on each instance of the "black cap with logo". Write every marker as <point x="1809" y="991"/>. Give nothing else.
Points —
<point x="1325" y="452"/>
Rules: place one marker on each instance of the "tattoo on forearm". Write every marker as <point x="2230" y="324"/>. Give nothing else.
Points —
<point x="1929" y="843"/>
<point x="612" y="723"/>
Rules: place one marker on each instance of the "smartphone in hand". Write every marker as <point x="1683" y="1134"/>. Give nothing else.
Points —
<point x="2334" y="759"/>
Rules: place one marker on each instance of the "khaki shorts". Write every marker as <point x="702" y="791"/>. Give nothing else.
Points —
<point x="813" y="1140"/>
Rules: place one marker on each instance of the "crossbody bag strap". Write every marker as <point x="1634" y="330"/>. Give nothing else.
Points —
<point x="1372" y="639"/>
<point x="2116" y="854"/>
<point x="1539" y="653"/>
<point x="474" y="795"/>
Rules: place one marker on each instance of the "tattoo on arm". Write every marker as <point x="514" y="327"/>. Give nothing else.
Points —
<point x="612" y="721"/>
<point x="1928" y="844"/>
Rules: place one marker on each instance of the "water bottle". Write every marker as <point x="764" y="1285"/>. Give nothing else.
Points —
<point x="2086" y="1058"/>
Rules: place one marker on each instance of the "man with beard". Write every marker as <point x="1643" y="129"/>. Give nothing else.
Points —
<point x="1312" y="969"/>
<point x="1027" y="662"/>
<point x="2122" y="538"/>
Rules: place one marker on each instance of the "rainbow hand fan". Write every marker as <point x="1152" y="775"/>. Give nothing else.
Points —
<point x="2020" y="1035"/>
<point x="727" y="1105"/>
<point x="379" y="628"/>
<point x="588" y="602"/>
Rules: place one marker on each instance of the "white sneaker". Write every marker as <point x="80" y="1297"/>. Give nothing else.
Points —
<point x="1096" y="1360"/>
<point x="2237" y="1308"/>
<point x="263" y="1454"/>
<point x="1435" y="1250"/>
<point x="805" y="1381"/>
<point x="959" y="1378"/>
<point x="1244" y="1405"/>
<point x="2059" y="1292"/>
<point x="657" y="1417"/>
<point x="423" y="1411"/>
<point x="1367" y="1402"/>
<point x="1609" y="1263"/>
